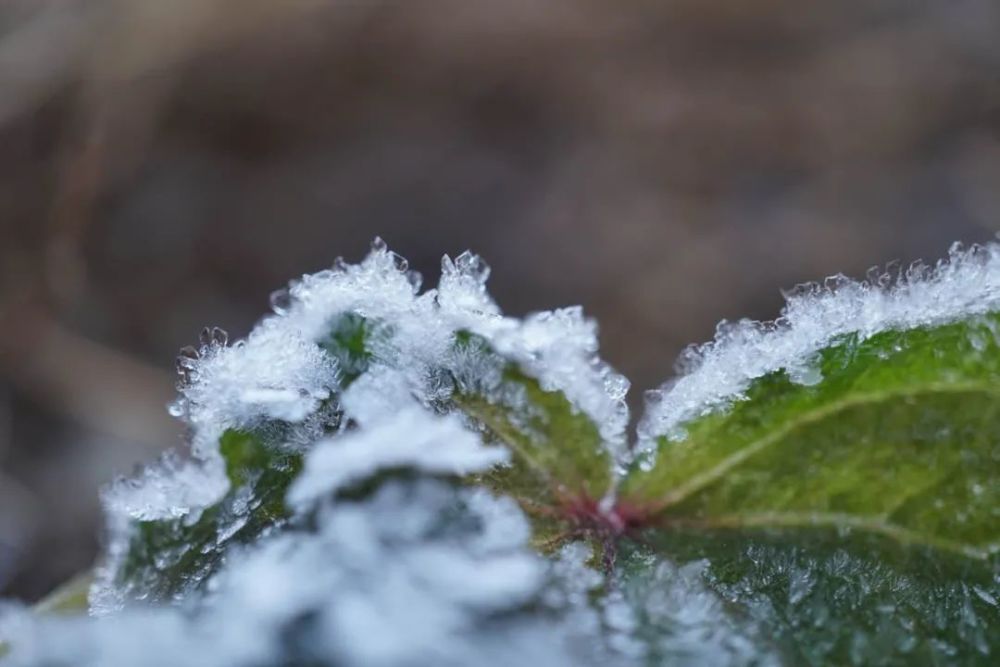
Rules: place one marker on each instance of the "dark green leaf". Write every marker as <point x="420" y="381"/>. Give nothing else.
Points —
<point x="349" y="342"/>
<point x="168" y="556"/>
<point x="559" y="451"/>
<point x="816" y="600"/>
<point x="559" y="454"/>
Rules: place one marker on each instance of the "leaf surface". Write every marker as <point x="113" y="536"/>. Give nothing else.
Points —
<point x="901" y="437"/>
<point x="811" y="599"/>
<point x="558" y="449"/>
<point x="168" y="556"/>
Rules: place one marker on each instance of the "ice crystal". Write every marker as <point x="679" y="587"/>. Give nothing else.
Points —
<point x="714" y="374"/>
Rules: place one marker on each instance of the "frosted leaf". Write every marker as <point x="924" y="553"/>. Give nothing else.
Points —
<point x="844" y="607"/>
<point x="376" y="288"/>
<point x="331" y="327"/>
<point x="273" y="374"/>
<point x="560" y="349"/>
<point x="654" y="611"/>
<point x="716" y="373"/>
<point x="170" y="488"/>
<point x="419" y="573"/>
<point x="503" y="525"/>
<point x="321" y="519"/>
<point x="344" y="347"/>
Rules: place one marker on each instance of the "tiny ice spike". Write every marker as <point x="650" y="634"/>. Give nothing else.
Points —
<point x="383" y="476"/>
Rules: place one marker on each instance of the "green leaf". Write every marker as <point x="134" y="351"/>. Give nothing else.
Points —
<point x="68" y="598"/>
<point x="812" y="600"/>
<point x="559" y="460"/>
<point x="901" y="438"/>
<point x="349" y="342"/>
<point x="559" y="452"/>
<point x="169" y="556"/>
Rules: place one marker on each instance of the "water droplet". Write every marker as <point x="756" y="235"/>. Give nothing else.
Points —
<point x="189" y="352"/>
<point x="415" y="280"/>
<point x="399" y="262"/>
<point x="985" y="596"/>
<point x="220" y="336"/>
<point x="186" y="362"/>
<point x="646" y="461"/>
<point x="378" y="245"/>
<point x="473" y="265"/>
<point x="281" y="301"/>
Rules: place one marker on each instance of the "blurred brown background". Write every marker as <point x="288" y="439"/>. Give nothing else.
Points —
<point x="165" y="165"/>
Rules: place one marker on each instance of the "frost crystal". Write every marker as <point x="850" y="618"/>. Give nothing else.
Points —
<point x="716" y="373"/>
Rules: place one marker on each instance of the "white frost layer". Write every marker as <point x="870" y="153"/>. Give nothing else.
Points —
<point x="274" y="374"/>
<point x="170" y="488"/>
<point x="282" y="373"/>
<point x="408" y="438"/>
<point x="167" y="489"/>
<point x="279" y="371"/>
<point x="717" y="373"/>
<point x="421" y="573"/>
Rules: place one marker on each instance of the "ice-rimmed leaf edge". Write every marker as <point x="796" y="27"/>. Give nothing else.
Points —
<point x="357" y="321"/>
